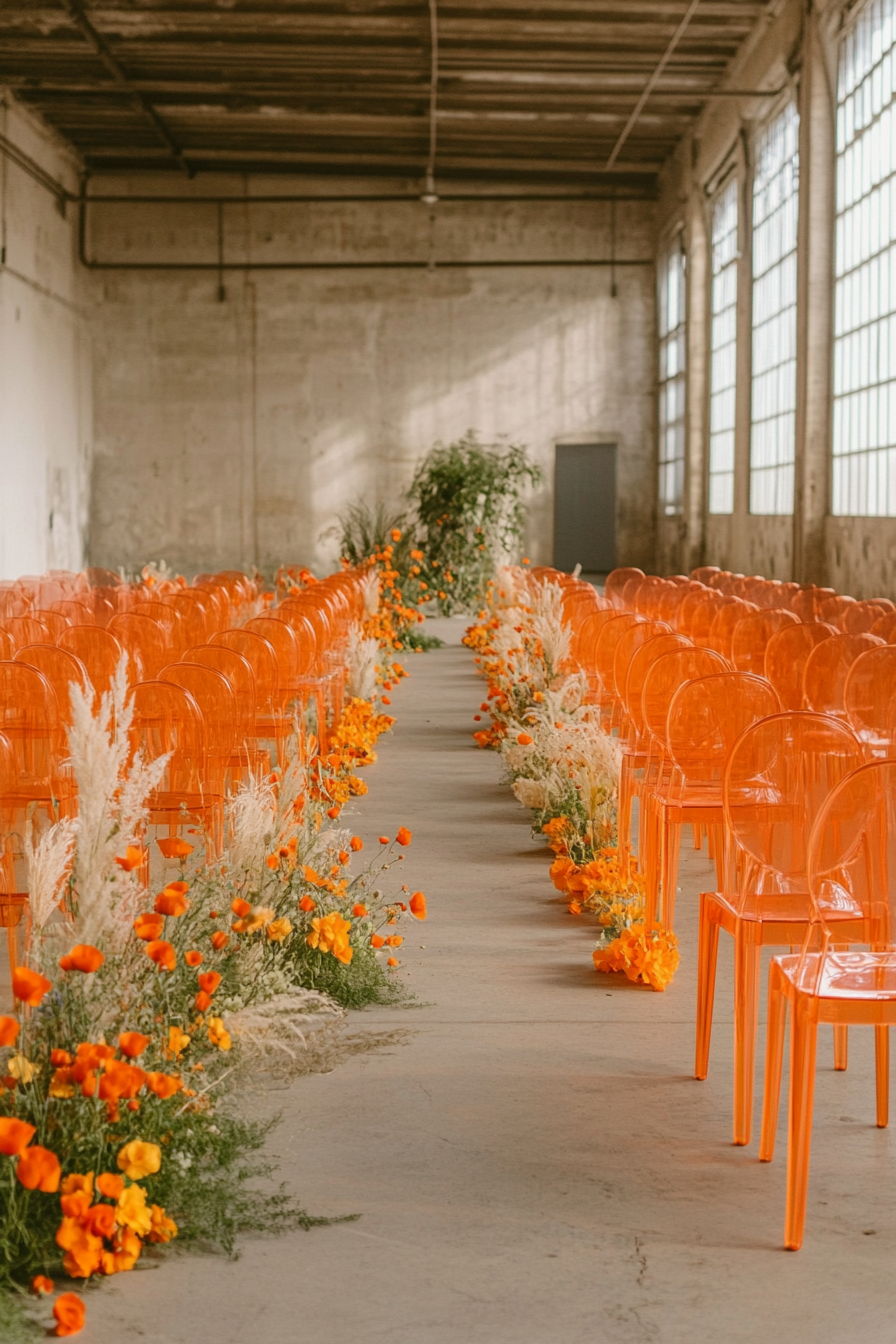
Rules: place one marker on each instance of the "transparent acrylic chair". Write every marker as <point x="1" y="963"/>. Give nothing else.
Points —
<point x="776" y="779"/>
<point x="826" y="669"/>
<point x="852" y="877"/>
<point x="785" y="658"/>
<point x="869" y="698"/>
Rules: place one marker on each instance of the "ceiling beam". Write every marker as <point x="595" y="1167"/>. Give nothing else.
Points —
<point x="653" y="81"/>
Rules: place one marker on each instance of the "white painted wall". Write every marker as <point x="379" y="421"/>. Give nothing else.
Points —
<point x="45" y="384"/>
<point x="233" y="432"/>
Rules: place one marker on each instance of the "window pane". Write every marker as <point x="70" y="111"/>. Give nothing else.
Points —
<point x="671" y="300"/>
<point x="864" y="467"/>
<point x="773" y="417"/>
<point x="723" y="349"/>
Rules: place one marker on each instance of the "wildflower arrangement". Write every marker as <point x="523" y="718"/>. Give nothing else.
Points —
<point x="563" y="766"/>
<point x="142" y="1008"/>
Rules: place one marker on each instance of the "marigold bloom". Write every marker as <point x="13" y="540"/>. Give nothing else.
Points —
<point x="9" y="1030"/>
<point x="15" y="1136"/>
<point x="148" y="927"/>
<point x="138" y="1159"/>
<point x="278" y="929"/>
<point x="164" y="1085"/>
<point x="29" y="986"/>
<point x="177" y="1042"/>
<point x="132" y="1043"/>
<point x="193" y="958"/>
<point x="356" y="843"/>
<point x="173" y="847"/>
<point x="110" y="1184"/>
<point x="220" y="940"/>
<point x="162" y="953"/>
<point x="39" y="1169"/>
<point x="403" y="837"/>
<point x="162" y="1228"/>
<point x="218" y="1033"/>
<point x="41" y="1285"/>
<point x="240" y="907"/>
<point x="70" y="1314"/>
<point x="131" y="1210"/>
<point x="133" y="857"/>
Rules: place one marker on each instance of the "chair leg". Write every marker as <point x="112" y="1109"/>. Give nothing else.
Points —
<point x="804" y="1035"/>
<point x="774" y="1058"/>
<point x="670" y="851"/>
<point x="746" y="1021"/>
<point x="707" y="957"/>
<point x="12" y="947"/>
<point x="624" y="808"/>
<point x="841" y="1046"/>
<point x="882" y="1071"/>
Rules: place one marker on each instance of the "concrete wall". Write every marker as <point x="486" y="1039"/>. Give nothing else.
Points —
<point x="793" y="51"/>
<point x="45" y="386"/>
<point x="232" y="431"/>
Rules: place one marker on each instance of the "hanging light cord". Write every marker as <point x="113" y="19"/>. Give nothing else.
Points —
<point x="429" y="193"/>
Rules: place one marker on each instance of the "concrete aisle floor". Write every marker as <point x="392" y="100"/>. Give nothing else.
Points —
<point x="538" y="1163"/>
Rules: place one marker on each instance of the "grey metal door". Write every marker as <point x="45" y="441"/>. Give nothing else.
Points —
<point x="585" y="507"/>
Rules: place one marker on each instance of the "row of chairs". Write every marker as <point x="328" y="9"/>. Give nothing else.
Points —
<point x="220" y="708"/>
<point x="754" y="712"/>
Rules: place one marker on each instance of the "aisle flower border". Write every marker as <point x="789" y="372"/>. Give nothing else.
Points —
<point x="563" y="765"/>
<point x="142" y="1008"/>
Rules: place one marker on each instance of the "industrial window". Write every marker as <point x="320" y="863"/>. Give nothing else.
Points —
<point x="723" y="347"/>
<point x="864" y="465"/>
<point x="775" y="206"/>
<point x="672" y="378"/>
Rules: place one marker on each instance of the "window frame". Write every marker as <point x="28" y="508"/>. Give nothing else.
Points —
<point x="672" y="386"/>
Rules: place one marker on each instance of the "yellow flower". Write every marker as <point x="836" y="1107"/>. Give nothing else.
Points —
<point x="21" y="1068"/>
<point x="131" y="1210"/>
<point x="177" y="1042"/>
<point x="279" y="929"/>
<point x="330" y="934"/>
<point x="138" y="1159"/>
<point x="218" y="1033"/>
<point x="257" y="918"/>
<point x="163" y="1228"/>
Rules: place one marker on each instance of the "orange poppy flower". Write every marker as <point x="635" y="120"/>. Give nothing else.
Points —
<point x="173" y="900"/>
<point x="393" y="961"/>
<point x="219" y="940"/>
<point x="524" y="739"/>
<point x="70" y="1314"/>
<point x="110" y="1184"/>
<point x="173" y="847"/>
<point x="162" y="953"/>
<point x="272" y="862"/>
<point x="148" y="927"/>
<point x="203" y="1001"/>
<point x="134" y="856"/>
<point x="403" y="837"/>
<point x="209" y="981"/>
<point x="356" y="843"/>
<point x="307" y="904"/>
<point x="177" y="1042"/>
<point x="359" y="911"/>
<point x="39" y="1169"/>
<point x="83" y="957"/>
<point x="395" y="940"/>
<point x="83" y="1250"/>
<point x="193" y="958"/>
<point x="218" y="1033"/>
<point x="163" y="1228"/>
<point x="29" y="986"/>
<point x="60" y="1058"/>
<point x="344" y="856"/>
<point x="100" y="1220"/>
<point x="15" y="1136"/>
<point x="132" y="1043"/>
<point x="377" y="941"/>
<point x="126" y="1250"/>
<point x="418" y="905"/>
<point x="9" y="1030"/>
<point x="164" y="1085"/>
<point x="240" y="907"/>
<point x="75" y="1182"/>
<point x="138" y="1159"/>
<point x="120" y="1081"/>
<point x="41" y="1285"/>
<point x="384" y="839"/>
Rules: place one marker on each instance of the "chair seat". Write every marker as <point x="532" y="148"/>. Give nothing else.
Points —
<point x="853" y="976"/>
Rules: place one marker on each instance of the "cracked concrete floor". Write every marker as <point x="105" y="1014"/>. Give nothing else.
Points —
<point x="537" y="1163"/>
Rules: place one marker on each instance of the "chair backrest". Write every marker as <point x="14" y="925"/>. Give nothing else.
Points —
<point x="75" y="610"/>
<point x="869" y="698"/>
<point x="53" y="620"/>
<point x="311" y="630"/>
<point x="834" y="608"/>
<point x="727" y="617"/>
<point x="240" y="676"/>
<point x="192" y="611"/>
<point x="631" y="640"/>
<point x="701" y="618"/>
<point x="145" y="640"/>
<point x="282" y="640"/>
<point x="7" y="645"/>
<point x="215" y="697"/>
<point x="29" y="717"/>
<point x="665" y="676"/>
<point x="824" y="675"/>
<point x="585" y="638"/>
<point x="616" y="581"/>
<point x="689" y="605"/>
<point x="860" y="617"/>
<point x="642" y="660"/>
<point x="852" y="853"/>
<point x="27" y="630"/>
<point x="61" y="669"/>
<point x="778" y="774"/>
<point x="885" y="627"/>
<point x="807" y="602"/>
<point x="167" y="720"/>
<point x="704" y="573"/>
<point x="605" y="648"/>
<point x="98" y="650"/>
<point x="168" y="617"/>
<point x="261" y="657"/>
<point x="785" y="658"/>
<point x="708" y="715"/>
<point x="751" y="635"/>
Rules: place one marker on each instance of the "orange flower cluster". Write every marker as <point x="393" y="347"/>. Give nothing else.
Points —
<point x="106" y="1221"/>
<point x="330" y="933"/>
<point x="354" y="738"/>
<point x="647" y="955"/>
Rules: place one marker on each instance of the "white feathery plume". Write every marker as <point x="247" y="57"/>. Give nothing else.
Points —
<point x="361" y="661"/>
<point x="549" y="626"/>
<point x="253" y="814"/>
<point x="48" y="863"/>
<point x="370" y="588"/>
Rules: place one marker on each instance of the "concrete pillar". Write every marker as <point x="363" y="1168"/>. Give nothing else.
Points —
<point x="815" y="288"/>
<point x="697" y="424"/>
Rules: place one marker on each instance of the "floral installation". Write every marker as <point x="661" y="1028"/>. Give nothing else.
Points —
<point x="563" y="765"/>
<point x="144" y="1008"/>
